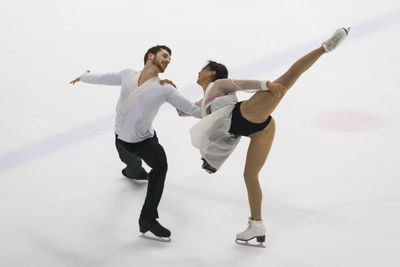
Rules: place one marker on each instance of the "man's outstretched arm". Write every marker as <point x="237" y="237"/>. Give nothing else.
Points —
<point x="79" y="78"/>
<point x="112" y="78"/>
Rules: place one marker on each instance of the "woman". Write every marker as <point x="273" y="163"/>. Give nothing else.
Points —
<point x="225" y="120"/>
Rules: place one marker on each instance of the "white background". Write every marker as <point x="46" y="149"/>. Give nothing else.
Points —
<point x="331" y="182"/>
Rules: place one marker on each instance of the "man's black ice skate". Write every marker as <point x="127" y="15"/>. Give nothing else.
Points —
<point x="162" y="233"/>
<point x="142" y="176"/>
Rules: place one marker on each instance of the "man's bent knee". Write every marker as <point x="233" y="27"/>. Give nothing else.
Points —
<point x="161" y="167"/>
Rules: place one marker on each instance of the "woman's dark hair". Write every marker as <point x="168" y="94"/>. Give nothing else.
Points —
<point x="155" y="49"/>
<point x="221" y="72"/>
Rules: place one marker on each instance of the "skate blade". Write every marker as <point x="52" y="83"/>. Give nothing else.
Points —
<point x="248" y="244"/>
<point x="156" y="238"/>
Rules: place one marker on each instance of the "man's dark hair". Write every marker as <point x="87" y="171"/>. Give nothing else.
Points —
<point x="221" y="72"/>
<point x="155" y="49"/>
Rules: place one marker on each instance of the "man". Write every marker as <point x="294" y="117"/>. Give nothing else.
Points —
<point x="141" y="96"/>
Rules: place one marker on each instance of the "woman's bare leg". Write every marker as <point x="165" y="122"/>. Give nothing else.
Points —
<point x="260" y="145"/>
<point x="299" y="67"/>
<point x="261" y="104"/>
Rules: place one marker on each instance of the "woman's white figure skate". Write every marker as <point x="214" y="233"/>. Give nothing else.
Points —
<point x="256" y="229"/>
<point x="336" y="39"/>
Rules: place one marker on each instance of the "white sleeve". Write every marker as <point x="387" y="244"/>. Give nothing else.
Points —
<point x="111" y="78"/>
<point x="183" y="104"/>
<point x="229" y="86"/>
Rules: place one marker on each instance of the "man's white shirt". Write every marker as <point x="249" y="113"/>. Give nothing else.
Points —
<point x="135" y="114"/>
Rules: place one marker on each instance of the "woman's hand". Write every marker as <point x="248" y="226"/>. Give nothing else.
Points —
<point x="162" y="82"/>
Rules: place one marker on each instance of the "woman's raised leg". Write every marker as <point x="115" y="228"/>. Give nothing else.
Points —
<point x="261" y="104"/>
<point x="299" y="67"/>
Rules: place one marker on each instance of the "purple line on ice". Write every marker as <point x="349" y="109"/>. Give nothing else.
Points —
<point x="54" y="143"/>
<point x="284" y="58"/>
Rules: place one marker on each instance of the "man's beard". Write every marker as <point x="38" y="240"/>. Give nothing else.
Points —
<point x="158" y="64"/>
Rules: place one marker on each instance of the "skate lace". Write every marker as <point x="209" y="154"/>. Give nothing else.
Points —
<point x="334" y="40"/>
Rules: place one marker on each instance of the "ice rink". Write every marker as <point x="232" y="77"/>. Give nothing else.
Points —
<point x="331" y="184"/>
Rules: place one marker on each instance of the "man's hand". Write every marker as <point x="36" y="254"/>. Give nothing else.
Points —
<point x="78" y="79"/>
<point x="162" y="82"/>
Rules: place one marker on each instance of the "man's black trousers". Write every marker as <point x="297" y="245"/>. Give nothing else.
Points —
<point x="151" y="152"/>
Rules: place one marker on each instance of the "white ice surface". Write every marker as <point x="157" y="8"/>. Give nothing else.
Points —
<point x="331" y="183"/>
